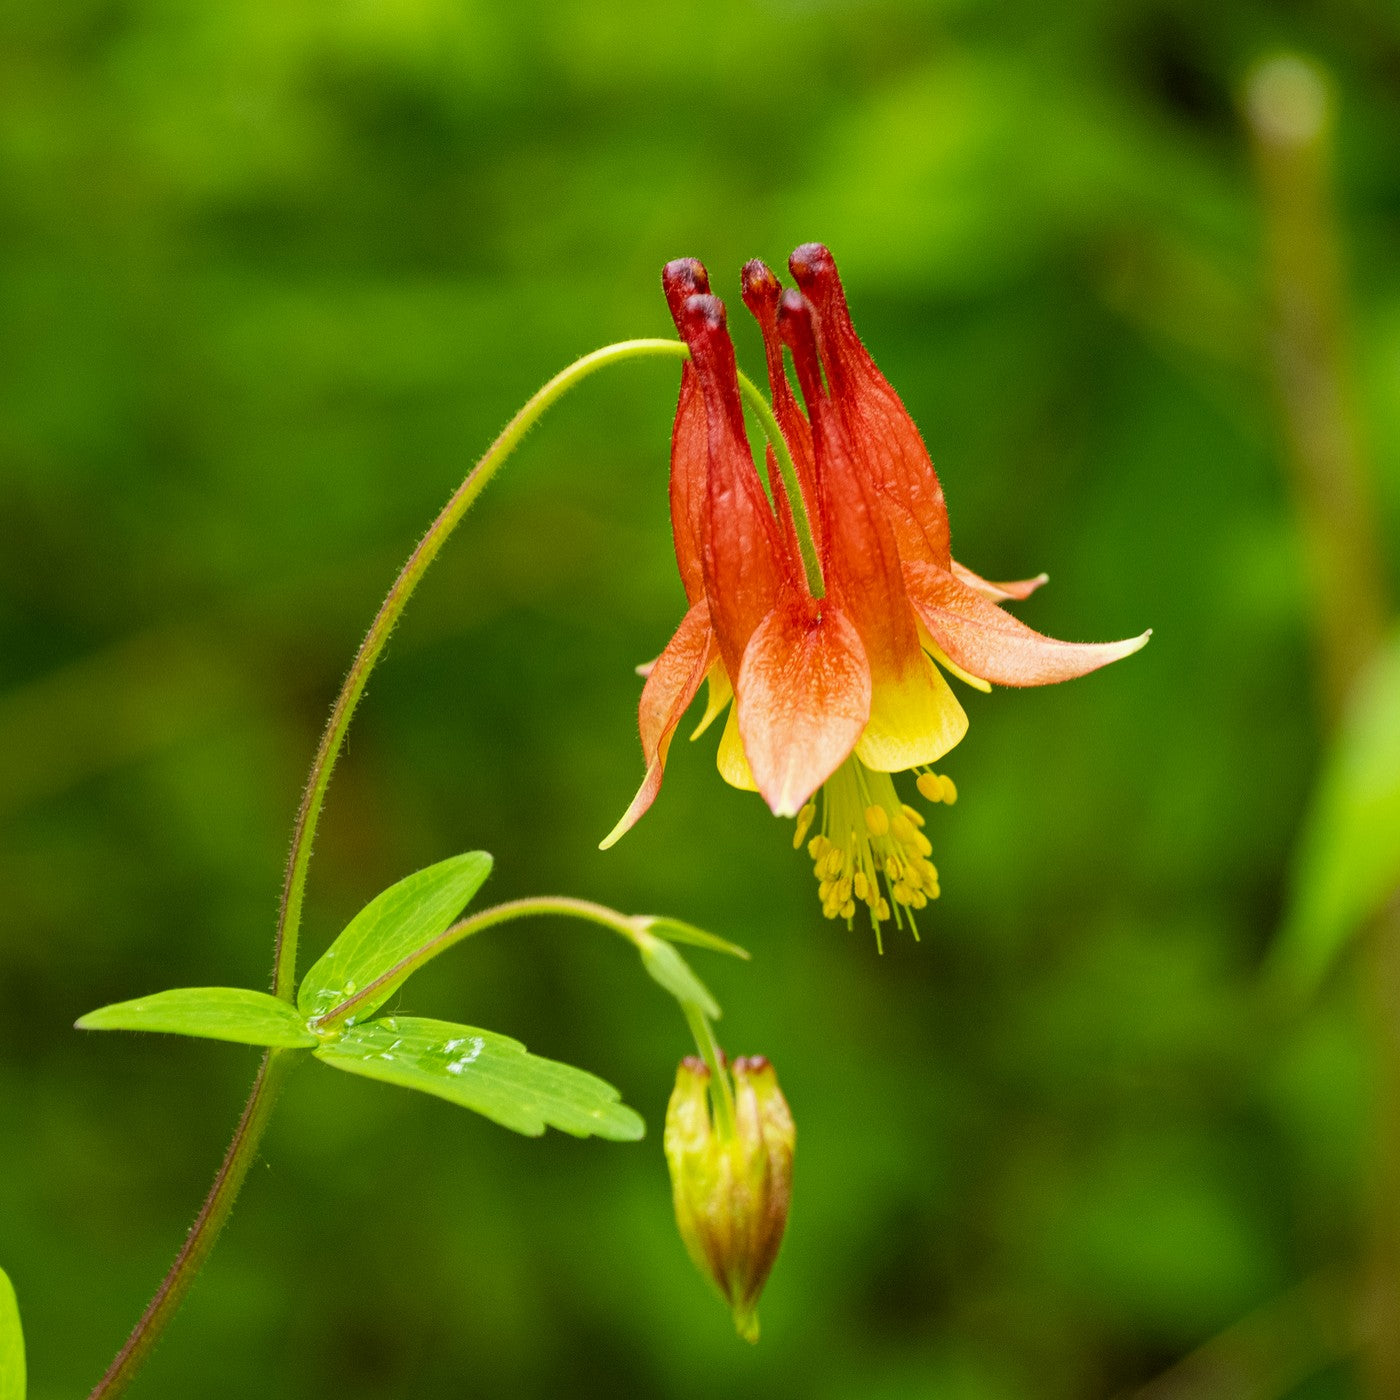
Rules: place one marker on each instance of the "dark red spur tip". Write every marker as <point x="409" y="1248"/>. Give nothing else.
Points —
<point x="761" y="288"/>
<point x="700" y="317"/>
<point x="751" y="1064"/>
<point x="795" y="327"/>
<point x="814" y="268"/>
<point x="682" y="278"/>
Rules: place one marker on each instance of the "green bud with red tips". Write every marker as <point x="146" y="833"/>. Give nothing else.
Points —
<point x="732" y="1185"/>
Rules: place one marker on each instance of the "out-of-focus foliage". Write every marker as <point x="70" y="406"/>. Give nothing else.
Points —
<point x="271" y="276"/>
<point x="1349" y="862"/>
<point x="12" y="1379"/>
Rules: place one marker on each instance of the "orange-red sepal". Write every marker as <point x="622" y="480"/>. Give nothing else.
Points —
<point x="675" y="677"/>
<point x="989" y="643"/>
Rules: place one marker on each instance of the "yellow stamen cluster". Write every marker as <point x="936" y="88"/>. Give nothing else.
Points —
<point x="871" y="848"/>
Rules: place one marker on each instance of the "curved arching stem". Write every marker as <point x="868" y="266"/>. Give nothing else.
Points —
<point x="257" y="1111"/>
<point x="289" y="916"/>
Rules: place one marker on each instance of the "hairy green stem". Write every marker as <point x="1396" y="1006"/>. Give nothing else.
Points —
<point x="256" y="1112"/>
<point x="205" y="1230"/>
<point x="289" y="917"/>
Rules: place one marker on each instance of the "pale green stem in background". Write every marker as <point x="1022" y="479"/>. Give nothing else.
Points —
<point x="1288" y="103"/>
<point x="1288" y="106"/>
<point x="257" y="1111"/>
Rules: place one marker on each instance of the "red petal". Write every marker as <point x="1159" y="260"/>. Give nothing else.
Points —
<point x="999" y="592"/>
<point x="804" y="698"/>
<point x="992" y="644"/>
<point x="675" y="677"/>
<point x="744" y="563"/>
<point x="883" y="437"/>
<point x="689" y="455"/>
<point x="863" y="572"/>
<point x="680" y="279"/>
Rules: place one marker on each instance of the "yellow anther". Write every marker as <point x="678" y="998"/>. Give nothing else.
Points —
<point x="830" y="910"/>
<point x="950" y="790"/>
<point x="912" y="813"/>
<point x="848" y="910"/>
<point x="817" y="847"/>
<point x="843" y="888"/>
<point x="860" y="885"/>
<point x="922" y="844"/>
<point x="893" y="869"/>
<point x="904" y="829"/>
<point x="918" y="899"/>
<point x="805" y="818"/>
<point x="930" y="786"/>
<point x="902" y="893"/>
<point x="824" y="890"/>
<point x="877" y="820"/>
<point x="829" y="865"/>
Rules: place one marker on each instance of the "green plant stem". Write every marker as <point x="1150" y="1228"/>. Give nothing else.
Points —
<point x="800" y="505"/>
<point x="205" y="1231"/>
<point x="289" y="916"/>
<point x="721" y="1093"/>
<point x="257" y="1110"/>
<point x="555" y="905"/>
<point x="533" y="907"/>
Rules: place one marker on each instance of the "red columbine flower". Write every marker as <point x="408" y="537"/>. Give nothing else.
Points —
<point x="835" y="691"/>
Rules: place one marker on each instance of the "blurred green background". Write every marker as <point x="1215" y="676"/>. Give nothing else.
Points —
<point x="272" y="274"/>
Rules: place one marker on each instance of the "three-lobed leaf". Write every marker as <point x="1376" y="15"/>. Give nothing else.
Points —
<point x="489" y="1073"/>
<point x="12" y="1378"/>
<point x="213" y="1013"/>
<point x="389" y="929"/>
<point x="1348" y="861"/>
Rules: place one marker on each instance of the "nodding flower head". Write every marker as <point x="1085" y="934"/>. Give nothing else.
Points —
<point x="833" y="689"/>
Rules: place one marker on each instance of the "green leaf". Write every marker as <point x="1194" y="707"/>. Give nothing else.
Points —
<point x="215" y="1013"/>
<point x="674" y="931"/>
<point x="12" y="1379"/>
<point x="671" y="971"/>
<point x="387" y="930"/>
<point x="484" y="1071"/>
<point x="1348" y="861"/>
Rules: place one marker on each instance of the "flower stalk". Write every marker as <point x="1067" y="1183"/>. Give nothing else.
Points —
<point x="258" y="1109"/>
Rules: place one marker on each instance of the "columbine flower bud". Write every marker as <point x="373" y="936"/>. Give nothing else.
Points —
<point x="732" y="1188"/>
